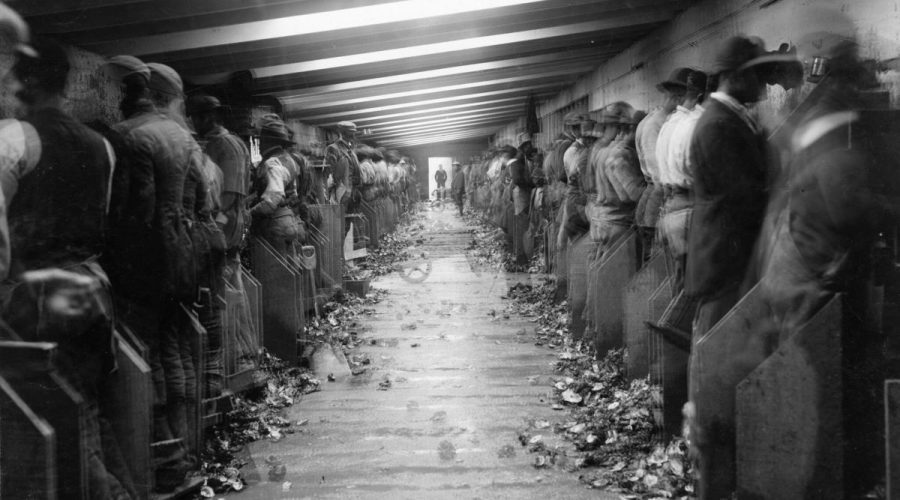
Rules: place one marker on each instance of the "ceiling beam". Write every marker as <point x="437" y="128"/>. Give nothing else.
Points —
<point x="304" y="24"/>
<point x="335" y="100"/>
<point x="474" y="43"/>
<point x="430" y="120"/>
<point x="431" y="139"/>
<point x="296" y="109"/>
<point x="468" y="112"/>
<point x="451" y="127"/>
<point x="418" y="76"/>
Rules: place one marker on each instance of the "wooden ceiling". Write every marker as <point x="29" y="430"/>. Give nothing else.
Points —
<point x="408" y="72"/>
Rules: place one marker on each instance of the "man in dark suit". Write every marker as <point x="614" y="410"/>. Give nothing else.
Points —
<point x="729" y="206"/>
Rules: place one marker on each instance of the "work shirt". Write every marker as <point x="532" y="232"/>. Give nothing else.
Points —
<point x="664" y="141"/>
<point x="340" y="158"/>
<point x="646" y="135"/>
<point x="274" y="181"/>
<point x="729" y="197"/>
<point x="679" y="170"/>
<point x="56" y="198"/>
<point x="230" y="153"/>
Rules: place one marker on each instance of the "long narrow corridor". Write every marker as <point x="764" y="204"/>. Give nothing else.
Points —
<point x="463" y="378"/>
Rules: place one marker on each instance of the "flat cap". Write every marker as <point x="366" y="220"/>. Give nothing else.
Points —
<point x="202" y="104"/>
<point x="121" y="67"/>
<point x="271" y="126"/>
<point x="14" y="31"/>
<point x="346" y="125"/>
<point x="522" y="138"/>
<point x="165" y="79"/>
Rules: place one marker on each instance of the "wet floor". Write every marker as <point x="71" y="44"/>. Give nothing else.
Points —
<point x="463" y="379"/>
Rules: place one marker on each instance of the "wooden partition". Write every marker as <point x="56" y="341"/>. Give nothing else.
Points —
<point x="892" y="437"/>
<point x="329" y="248"/>
<point x="27" y="449"/>
<point x="637" y="310"/>
<point x="714" y="382"/>
<point x="195" y="334"/>
<point x="283" y="317"/>
<point x="370" y="212"/>
<point x="31" y="371"/>
<point x="790" y="439"/>
<point x="130" y="395"/>
<point x="610" y="278"/>
<point x="668" y="366"/>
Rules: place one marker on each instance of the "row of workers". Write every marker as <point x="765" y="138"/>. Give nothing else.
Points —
<point x="129" y="224"/>
<point x="697" y="179"/>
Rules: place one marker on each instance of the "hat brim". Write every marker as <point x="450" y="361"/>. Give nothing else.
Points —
<point x="671" y="86"/>
<point x="769" y="60"/>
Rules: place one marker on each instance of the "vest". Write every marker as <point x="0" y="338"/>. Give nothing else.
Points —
<point x="58" y="215"/>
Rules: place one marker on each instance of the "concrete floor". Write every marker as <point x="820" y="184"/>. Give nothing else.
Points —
<point x="447" y="426"/>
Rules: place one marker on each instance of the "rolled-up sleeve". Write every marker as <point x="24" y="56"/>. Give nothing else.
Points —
<point x="276" y="178"/>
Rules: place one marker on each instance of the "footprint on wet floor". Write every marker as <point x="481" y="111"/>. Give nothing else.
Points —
<point x="446" y="450"/>
<point x="506" y="451"/>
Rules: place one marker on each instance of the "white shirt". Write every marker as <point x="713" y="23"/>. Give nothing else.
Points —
<point x="680" y="171"/>
<point x="663" y="141"/>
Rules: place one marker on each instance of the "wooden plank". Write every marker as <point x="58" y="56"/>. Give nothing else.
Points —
<point x="30" y="369"/>
<point x="657" y="304"/>
<point x="254" y="290"/>
<point x="789" y="416"/>
<point x="196" y="334"/>
<point x="129" y="392"/>
<point x="713" y="384"/>
<point x="892" y="437"/>
<point x="636" y="310"/>
<point x="613" y="274"/>
<point x="27" y="449"/>
<point x="281" y="302"/>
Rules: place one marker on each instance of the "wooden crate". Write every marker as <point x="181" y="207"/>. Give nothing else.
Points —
<point x="615" y="270"/>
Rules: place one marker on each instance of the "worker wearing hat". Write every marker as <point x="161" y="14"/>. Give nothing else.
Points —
<point x="57" y="196"/>
<point x="458" y="186"/>
<point x="151" y="264"/>
<point x="344" y="167"/>
<point x="729" y="162"/>
<point x="575" y="223"/>
<point x="230" y="153"/>
<point x="555" y="175"/>
<point x="520" y="174"/>
<point x="820" y="238"/>
<point x="646" y="137"/>
<point x="274" y="188"/>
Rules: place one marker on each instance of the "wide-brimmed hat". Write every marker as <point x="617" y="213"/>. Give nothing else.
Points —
<point x="677" y="81"/>
<point x="617" y="113"/>
<point x="739" y="53"/>
<point x="165" y="79"/>
<point x="696" y="81"/>
<point x="121" y="67"/>
<point x="272" y="127"/>
<point x="575" y="117"/>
